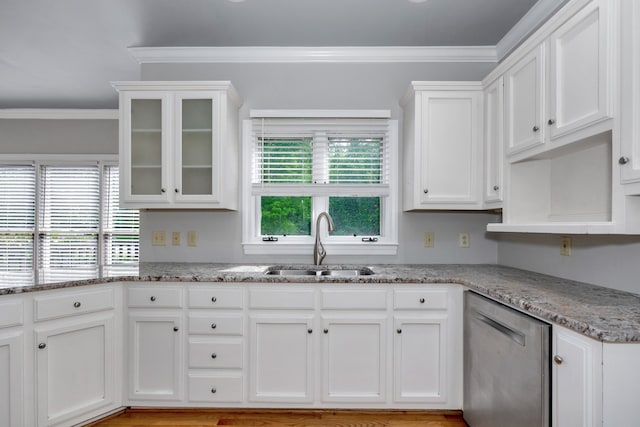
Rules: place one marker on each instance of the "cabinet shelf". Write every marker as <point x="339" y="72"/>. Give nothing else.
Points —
<point x="146" y="130"/>
<point x="555" y="228"/>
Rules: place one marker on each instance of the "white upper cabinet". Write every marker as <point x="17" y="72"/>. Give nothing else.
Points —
<point x="524" y="94"/>
<point x="629" y="159"/>
<point x="443" y="145"/>
<point x="178" y="144"/>
<point x="561" y="88"/>
<point x="580" y="65"/>
<point x="493" y="143"/>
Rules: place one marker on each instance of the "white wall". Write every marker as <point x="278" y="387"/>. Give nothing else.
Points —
<point x="320" y="86"/>
<point x="29" y="136"/>
<point x="610" y="261"/>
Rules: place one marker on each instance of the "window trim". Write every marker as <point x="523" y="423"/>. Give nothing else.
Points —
<point x="252" y="243"/>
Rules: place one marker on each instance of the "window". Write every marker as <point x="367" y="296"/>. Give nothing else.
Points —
<point x="72" y="209"/>
<point x="301" y="166"/>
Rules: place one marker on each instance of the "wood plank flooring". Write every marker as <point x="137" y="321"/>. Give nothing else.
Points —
<point x="281" y="418"/>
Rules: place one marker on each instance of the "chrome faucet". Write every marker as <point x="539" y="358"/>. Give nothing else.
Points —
<point x="318" y="249"/>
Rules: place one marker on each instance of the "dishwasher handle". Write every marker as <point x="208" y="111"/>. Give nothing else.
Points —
<point x="515" y="336"/>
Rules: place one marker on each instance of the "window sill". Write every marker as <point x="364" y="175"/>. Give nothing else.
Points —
<point x="279" y="248"/>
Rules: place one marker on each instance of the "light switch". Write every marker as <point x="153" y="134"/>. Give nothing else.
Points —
<point x="159" y="238"/>
<point x="192" y="238"/>
<point x="175" y="238"/>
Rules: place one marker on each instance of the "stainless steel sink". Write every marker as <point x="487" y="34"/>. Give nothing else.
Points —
<point x="326" y="271"/>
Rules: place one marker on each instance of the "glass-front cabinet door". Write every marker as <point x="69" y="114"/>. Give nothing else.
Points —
<point x="145" y="154"/>
<point x="197" y="148"/>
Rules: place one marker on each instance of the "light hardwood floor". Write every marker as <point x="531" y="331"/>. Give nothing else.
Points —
<point x="283" y="418"/>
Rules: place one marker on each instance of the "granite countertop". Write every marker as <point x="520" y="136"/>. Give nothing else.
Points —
<point x="601" y="313"/>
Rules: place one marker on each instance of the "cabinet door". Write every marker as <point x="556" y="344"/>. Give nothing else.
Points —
<point x="354" y="359"/>
<point x="144" y="151"/>
<point x="155" y="357"/>
<point x="197" y="149"/>
<point x="577" y="380"/>
<point x="493" y="140"/>
<point x="281" y="359"/>
<point x="579" y="71"/>
<point x="450" y="147"/>
<point x="420" y="359"/>
<point x="524" y="89"/>
<point x="12" y="374"/>
<point x="75" y="369"/>
<point x="630" y="112"/>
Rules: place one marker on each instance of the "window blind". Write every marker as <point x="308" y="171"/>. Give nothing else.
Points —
<point x="120" y="226"/>
<point x="320" y="151"/>
<point x="69" y="217"/>
<point x="17" y="217"/>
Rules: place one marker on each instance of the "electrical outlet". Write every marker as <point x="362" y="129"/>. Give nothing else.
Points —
<point x="565" y="246"/>
<point x="175" y="238"/>
<point x="192" y="238"/>
<point x="463" y="240"/>
<point x="428" y="239"/>
<point x="159" y="238"/>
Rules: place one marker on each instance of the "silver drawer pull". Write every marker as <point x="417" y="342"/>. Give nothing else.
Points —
<point x="558" y="359"/>
<point x="399" y="331"/>
<point x="422" y="300"/>
<point x="42" y="345"/>
<point x="214" y="299"/>
<point x="213" y="355"/>
<point x="213" y="326"/>
<point x="76" y="304"/>
<point x="213" y="390"/>
<point x="152" y="298"/>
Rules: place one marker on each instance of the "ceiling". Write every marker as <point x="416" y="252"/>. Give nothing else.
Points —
<point x="63" y="54"/>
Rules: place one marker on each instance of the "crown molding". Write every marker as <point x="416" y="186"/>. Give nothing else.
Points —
<point x="58" y="114"/>
<point x="533" y="19"/>
<point x="290" y="54"/>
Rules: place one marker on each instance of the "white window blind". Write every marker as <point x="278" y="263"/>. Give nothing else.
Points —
<point x="70" y="216"/>
<point x="331" y="152"/>
<point x="17" y="217"/>
<point x="120" y="226"/>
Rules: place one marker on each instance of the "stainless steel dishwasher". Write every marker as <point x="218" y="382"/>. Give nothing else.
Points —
<point x="506" y="366"/>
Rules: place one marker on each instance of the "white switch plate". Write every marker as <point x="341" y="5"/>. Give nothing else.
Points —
<point x="565" y="246"/>
<point x="192" y="238"/>
<point x="428" y="239"/>
<point x="175" y="238"/>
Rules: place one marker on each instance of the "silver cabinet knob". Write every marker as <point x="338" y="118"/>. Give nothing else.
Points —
<point x="76" y="304"/>
<point x="536" y="129"/>
<point x="214" y="299"/>
<point x="326" y="331"/>
<point x="309" y="331"/>
<point x="558" y="360"/>
<point x="213" y="326"/>
<point x="422" y="300"/>
<point x="551" y="122"/>
<point x="496" y="188"/>
<point x="41" y="345"/>
<point x="163" y="190"/>
<point x="213" y="390"/>
<point x="623" y="160"/>
<point x="176" y="329"/>
<point x="176" y="190"/>
<point x="152" y="298"/>
<point x="399" y="331"/>
<point x="425" y="191"/>
<point x="213" y="355"/>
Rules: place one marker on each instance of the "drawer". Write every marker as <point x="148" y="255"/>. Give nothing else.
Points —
<point x="161" y="297"/>
<point x="301" y="299"/>
<point x="428" y="299"/>
<point x="354" y="299"/>
<point x="215" y="324"/>
<point x="215" y="354"/>
<point x="215" y="298"/>
<point x="54" y="305"/>
<point x="11" y="314"/>
<point x="214" y="388"/>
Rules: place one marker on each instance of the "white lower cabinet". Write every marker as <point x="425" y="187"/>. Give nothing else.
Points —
<point x="420" y="359"/>
<point x="281" y="358"/>
<point x="77" y="354"/>
<point x="12" y="372"/>
<point x="354" y="359"/>
<point x="576" y="380"/>
<point x="155" y="356"/>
